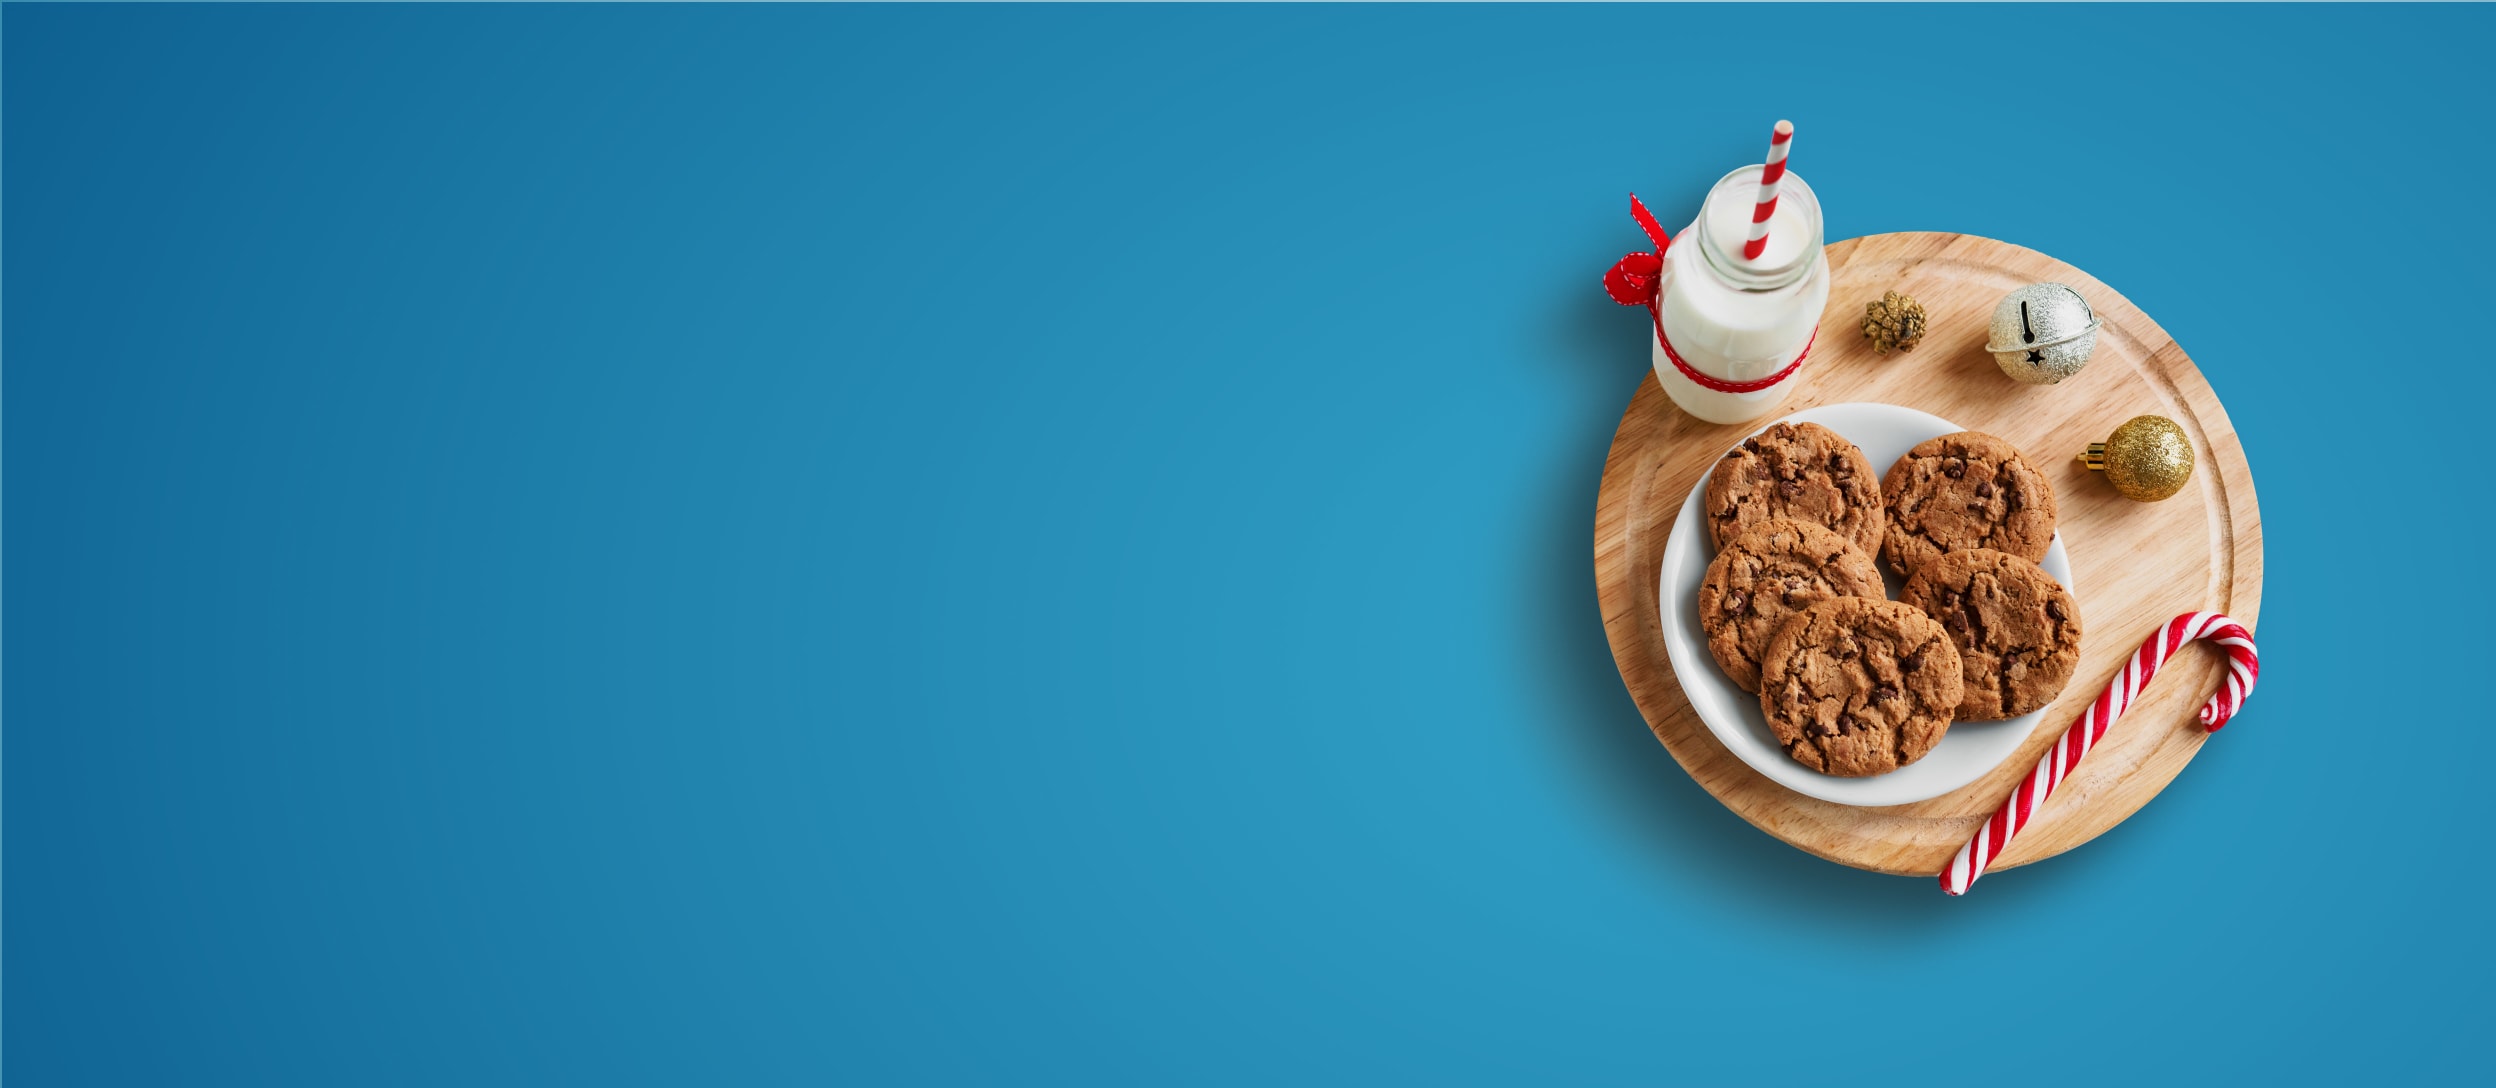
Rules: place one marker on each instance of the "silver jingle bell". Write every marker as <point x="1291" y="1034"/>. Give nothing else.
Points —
<point x="2042" y="333"/>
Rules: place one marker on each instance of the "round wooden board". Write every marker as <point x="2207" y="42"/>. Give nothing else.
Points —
<point x="2134" y="565"/>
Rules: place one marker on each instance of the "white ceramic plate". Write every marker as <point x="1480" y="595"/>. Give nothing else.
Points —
<point x="1886" y="432"/>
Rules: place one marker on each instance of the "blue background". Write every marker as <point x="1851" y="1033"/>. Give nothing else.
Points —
<point x="768" y="545"/>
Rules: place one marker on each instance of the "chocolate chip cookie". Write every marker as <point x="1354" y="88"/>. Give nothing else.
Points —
<point x="1964" y="490"/>
<point x="1767" y="575"/>
<point x="1802" y="471"/>
<point x="1855" y="686"/>
<point x="2016" y="629"/>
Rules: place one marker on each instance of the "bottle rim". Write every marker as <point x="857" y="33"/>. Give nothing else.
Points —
<point x="1742" y="184"/>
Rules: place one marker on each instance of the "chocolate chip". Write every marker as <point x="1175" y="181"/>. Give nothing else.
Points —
<point x="1789" y="488"/>
<point x="1823" y="729"/>
<point x="1910" y="664"/>
<point x="1751" y="444"/>
<point x="1850" y="723"/>
<point x="2010" y="501"/>
<point x="1885" y="692"/>
<point x="1984" y="490"/>
<point x="1954" y="468"/>
<point x="1731" y="454"/>
<point x="1734" y="602"/>
<point x="1838" y="465"/>
<point x="2054" y="611"/>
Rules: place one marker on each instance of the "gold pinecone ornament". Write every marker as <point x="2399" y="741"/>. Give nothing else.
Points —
<point x="1894" y="322"/>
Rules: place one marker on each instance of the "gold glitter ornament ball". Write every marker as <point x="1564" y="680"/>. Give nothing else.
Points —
<point x="2147" y="459"/>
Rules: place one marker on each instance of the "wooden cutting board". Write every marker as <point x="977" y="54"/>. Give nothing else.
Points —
<point x="2134" y="565"/>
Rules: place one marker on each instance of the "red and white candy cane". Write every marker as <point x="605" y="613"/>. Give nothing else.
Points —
<point x="2243" y="666"/>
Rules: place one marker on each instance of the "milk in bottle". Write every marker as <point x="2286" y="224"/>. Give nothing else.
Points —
<point x="1735" y="320"/>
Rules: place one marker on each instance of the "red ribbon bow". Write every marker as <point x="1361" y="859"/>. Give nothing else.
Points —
<point x="1634" y="281"/>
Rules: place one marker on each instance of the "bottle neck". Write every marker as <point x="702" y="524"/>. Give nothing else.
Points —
<point x="1724" y="224"/>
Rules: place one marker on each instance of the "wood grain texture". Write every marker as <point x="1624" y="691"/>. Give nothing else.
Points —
<point x="2134" y="565"/>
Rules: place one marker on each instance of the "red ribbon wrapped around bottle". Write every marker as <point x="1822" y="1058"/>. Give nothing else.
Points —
<point x="1636" y="279"/>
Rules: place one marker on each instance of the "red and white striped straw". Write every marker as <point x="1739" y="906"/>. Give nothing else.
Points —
<point x="1779" y="142"/>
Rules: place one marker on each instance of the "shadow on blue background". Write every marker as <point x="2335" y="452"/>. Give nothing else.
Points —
<point x="781" y="545"/>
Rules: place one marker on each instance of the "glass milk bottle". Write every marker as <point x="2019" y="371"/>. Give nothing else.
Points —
<point x="1737" y="322"/>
